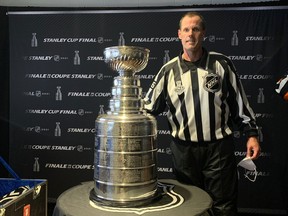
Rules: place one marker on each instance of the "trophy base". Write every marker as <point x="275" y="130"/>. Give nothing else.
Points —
<point x="160" y="191"/>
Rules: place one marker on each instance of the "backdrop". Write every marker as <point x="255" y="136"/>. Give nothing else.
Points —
<point x="59" y="83"/>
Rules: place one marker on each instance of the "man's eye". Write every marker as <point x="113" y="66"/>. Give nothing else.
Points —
<point x="196" y="29"/>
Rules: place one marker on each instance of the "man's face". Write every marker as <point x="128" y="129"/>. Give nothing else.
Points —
<point x="191" y="33"/>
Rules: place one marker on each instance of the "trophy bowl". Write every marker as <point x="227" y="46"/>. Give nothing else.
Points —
<point x="126" y="58"/>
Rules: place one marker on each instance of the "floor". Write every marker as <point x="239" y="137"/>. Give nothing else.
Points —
<point x="50" y="209"/>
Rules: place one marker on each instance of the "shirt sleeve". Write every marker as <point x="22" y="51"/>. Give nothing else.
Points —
<point x="242" y="114"/>
<point x="154" y="101"/>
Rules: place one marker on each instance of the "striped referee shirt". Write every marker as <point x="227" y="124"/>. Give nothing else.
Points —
<point x="202" y="99"/>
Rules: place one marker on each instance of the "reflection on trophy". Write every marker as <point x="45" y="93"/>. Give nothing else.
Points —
<point x="125" y="172"/>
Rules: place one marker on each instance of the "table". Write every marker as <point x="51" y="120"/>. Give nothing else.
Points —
<point x="191" y="201"/>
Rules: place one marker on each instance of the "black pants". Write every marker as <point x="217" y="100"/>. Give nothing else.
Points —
<point x="212" y="167"/>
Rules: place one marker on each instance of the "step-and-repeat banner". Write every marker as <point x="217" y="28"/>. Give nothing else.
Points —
<point x="59" y="84"/>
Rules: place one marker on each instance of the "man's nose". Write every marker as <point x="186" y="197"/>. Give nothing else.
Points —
<point x="190" y="32"/>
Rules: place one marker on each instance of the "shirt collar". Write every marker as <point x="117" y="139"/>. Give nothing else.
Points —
<point x="202" y="63"/>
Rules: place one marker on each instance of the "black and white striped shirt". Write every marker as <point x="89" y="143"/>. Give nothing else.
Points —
<point x="201" y="99"/>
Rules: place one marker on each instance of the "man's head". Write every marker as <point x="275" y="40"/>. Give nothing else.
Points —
<point x="191" y="31"/>
<point x="191" y="14"/>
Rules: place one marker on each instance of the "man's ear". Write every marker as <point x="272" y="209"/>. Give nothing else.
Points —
<point x="204" y="34"/>
<point x="179" y="34"/>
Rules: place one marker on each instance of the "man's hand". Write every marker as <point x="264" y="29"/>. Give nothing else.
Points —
<point x="253" y="148"/>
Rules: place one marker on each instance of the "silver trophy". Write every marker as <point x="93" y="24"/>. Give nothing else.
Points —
<point x="125" y="170"/>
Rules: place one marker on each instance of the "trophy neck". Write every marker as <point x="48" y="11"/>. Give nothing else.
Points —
<point x="126" y="73"/>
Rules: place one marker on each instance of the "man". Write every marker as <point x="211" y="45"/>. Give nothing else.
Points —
<point x="204" y="98"/>
<point x="280" y="149"/>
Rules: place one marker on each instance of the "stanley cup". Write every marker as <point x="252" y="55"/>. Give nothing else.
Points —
<point x="125" y="170"/>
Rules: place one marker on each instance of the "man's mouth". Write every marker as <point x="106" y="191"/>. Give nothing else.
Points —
<point x="189" y="41"/>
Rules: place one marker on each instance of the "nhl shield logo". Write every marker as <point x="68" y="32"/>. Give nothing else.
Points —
<point x="211" y="82"/>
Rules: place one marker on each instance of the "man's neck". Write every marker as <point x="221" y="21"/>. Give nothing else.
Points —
<point x="192" y="56"/>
